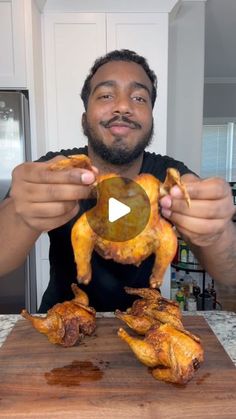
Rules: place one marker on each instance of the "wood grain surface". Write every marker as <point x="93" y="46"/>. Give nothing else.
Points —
<point x="101" y="378"/>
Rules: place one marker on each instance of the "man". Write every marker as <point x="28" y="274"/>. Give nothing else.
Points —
<point x="118" y="95"/>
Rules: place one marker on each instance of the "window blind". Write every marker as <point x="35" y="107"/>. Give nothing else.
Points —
<point x="219" y="151"/>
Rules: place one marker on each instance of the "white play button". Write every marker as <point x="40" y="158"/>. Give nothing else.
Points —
<point x="116" y="209"/>
<point x="122" y="210"/>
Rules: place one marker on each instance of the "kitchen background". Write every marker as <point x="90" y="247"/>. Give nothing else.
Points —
<point x="190" y="45"/>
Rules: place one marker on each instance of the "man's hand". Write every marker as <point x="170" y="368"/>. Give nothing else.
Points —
<point x="45" y="199"/>
<point x="210" y="212"/>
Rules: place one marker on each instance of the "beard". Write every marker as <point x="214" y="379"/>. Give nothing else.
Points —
<point x="118" y="153"/>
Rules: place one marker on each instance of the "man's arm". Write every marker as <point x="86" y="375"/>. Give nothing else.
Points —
<point x="40" y="200"/>
<point x="218" y="259"/>
<point x="17" y="237"/>
<point x="207" y="225"/>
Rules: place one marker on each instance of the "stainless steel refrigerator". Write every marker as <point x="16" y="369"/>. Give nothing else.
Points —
<point x="18" y="288"/>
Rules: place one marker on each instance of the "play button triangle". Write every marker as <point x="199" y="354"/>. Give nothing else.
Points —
<point x="116" y="209"/>
<point x="122" y="209"/>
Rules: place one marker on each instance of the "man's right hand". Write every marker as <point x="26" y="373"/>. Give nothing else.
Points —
<point x="47" y="199"/>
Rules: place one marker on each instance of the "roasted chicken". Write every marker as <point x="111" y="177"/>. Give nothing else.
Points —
<point x="172" y="354"/>
<point x="66" y="323"/>
<point x="171" y="351"/>
<point x="157" y="237"/>
<point x="150" y="310"/>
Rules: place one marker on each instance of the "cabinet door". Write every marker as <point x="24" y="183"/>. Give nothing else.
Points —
<point x="147" y="34"/>
<point x="72" y="42"/>
<point x="12" y="44"/>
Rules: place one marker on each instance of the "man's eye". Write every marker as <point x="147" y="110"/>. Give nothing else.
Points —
<point x="105" y="96"/>
<point x="139" y="99"/>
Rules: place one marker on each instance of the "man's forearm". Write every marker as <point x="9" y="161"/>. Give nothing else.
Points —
<point x="219" y="259"/>
<point x="15" y="236"/>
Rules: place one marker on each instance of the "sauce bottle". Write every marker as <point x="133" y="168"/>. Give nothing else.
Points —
<point x="191" y="300"/>
<point x="180" y="298"/>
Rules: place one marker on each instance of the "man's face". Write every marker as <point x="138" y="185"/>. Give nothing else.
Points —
<point x="118" y="121"/>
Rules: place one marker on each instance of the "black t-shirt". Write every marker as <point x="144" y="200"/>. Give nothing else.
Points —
<point x="106" y="288"/>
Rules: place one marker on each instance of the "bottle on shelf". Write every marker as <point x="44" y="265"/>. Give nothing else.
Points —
<point x="187" y="280"/>
<point x="183" y="252"/>
<point x="191" y="304"/>
<point x="180" y="298"/>
<point x="205" y="300"/>
<point x="212" y="291"/>
<point x="174" y="286"/>
<point x="196" y="289"/>
<point x="191" y="258"/>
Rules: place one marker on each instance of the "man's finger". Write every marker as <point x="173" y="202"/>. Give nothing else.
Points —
<point x="41" y="173"/>
<point x="209" y="189"/>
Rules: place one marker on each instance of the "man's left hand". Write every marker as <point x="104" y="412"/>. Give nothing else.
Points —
<point x="210" y="212"/>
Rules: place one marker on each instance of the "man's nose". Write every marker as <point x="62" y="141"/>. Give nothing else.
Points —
<point x="122" y="105"/>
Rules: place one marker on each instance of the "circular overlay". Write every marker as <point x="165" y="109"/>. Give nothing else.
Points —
<point x="122" y="210"/>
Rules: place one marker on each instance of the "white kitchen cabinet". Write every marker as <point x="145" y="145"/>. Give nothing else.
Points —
<point x="12" y="45"/>
<point x="72" y="41"/>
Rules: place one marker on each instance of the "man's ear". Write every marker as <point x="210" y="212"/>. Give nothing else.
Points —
<point x="84" y="123"/>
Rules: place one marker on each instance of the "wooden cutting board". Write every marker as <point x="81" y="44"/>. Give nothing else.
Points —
<point x="101" y="378"/>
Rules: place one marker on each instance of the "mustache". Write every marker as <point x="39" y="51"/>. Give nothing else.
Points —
<point x="127" y="121"/>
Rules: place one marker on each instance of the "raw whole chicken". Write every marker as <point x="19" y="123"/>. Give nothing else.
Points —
<point x="157" y="237"/>
<point x="66" y="323"/>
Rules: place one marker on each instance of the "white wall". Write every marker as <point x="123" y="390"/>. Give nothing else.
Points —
<point x="185" y="89"/>
<point x="219" y="100"/>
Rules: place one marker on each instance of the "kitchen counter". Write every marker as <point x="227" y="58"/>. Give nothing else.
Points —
<point x="101" y="377"/>
<point x="223" y="324"/>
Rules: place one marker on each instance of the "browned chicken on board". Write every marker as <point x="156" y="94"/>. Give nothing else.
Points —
<point x="149" y="310"/>
<point x="171" y="351"/>
<point x="157" y="237"/>
<point x="66" y="323"/>
<point x="172" y="354"/>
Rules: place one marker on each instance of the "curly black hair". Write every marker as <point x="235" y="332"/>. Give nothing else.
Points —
<point x="119" y="55"/>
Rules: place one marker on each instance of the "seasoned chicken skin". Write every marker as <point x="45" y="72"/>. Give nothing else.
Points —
<point x="171" y="351"/>
<point x="150" y="310"/>
<point x="66" y="323"/>
<point x="173" y="355"/>
<point x="157" y="237"/>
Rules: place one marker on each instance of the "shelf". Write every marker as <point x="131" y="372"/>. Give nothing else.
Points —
<point x="190" y="267"/>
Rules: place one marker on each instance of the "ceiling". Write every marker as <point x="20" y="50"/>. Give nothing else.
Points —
<point x="220" y="41"/>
